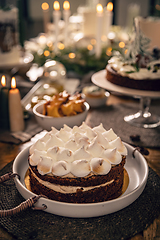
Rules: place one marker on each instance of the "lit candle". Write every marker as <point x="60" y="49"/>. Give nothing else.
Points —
<point x="45" y="8"/>
<point x="56" y="17"/>
<point x="15" y="108"/>
<point x="4" y="112"/>
<point x="108" y="18"/>
<point x="99" y="10"/>
<point x="66" y="14"/>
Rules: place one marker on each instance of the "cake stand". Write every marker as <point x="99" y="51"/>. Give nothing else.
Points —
<point x="143" y="118"/>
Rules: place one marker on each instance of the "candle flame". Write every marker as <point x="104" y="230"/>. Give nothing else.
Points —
<point x="99" y="8"/>
<point x="13" y="82"/>
<point x="56" y="5"/>
<point x="66" y="5"/>
<point x="3" y="81"/>
<point x="110" y="6"/>
<point x="45" y="6"/>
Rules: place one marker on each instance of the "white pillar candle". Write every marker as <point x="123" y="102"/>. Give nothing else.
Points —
<point x="66" y="15"/>
<point x="99" y="16"/>
<point x="45" y="8"/>
<point x="108" y="18"/>
<point x="132" y="12"/>
<point x="15" y="109"/>
<point x="56" y="18"/>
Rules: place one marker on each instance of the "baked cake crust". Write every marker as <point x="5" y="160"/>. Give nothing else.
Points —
<point x="145" y="84"/>
<point x="96" y="194"/>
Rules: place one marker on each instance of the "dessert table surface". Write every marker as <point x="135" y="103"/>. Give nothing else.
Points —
<point x="10" y="149"/>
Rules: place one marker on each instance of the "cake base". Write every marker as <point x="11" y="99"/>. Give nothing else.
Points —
<point x="123" y="188"/>
<point x="140" y="84"/>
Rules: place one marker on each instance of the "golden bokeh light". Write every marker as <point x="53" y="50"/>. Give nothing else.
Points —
<point x="121" y="44"/>
<point x="71" y="55"/>
<point x="46" y="53"/>
<point x="109" y="51"/>
<point x="45" y="6"/>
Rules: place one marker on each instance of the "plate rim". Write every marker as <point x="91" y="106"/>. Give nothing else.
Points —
<point x="85" y="206"/>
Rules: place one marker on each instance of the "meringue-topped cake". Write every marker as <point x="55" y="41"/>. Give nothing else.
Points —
<point x="78" y="165"/>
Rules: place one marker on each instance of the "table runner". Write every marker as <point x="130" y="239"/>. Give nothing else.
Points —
<point x="112" y="117"/>
<point x="119" y="225"/>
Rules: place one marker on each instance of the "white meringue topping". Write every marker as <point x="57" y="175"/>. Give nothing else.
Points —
<point x="119" y="145"/>
<point x="39" y="145"/>
<point x="99" y="128"/>
<point x="82" y="164"/>
<point x="45" y="165"/>
<point x="35" y="157"/>
<point x="112" y="155"/>
<point x="78" y="151"/>
<point x="100" y="166"/>
<point x="110" y="135"/>
<point x="81" y="153"/>
<point x="95" y="149"/>
<point x="64" y="154"/>
<point x="61" y="168"/>
<point x="54" y="141"/>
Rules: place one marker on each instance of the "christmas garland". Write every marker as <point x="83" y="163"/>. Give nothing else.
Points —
<point x="79" y="60"/>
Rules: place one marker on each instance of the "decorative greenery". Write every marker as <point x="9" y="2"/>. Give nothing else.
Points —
<point x="136" y="52"/>
<point x="79" y="60"/>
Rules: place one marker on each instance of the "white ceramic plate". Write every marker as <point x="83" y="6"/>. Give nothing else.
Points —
<point x="100" y="80"/>
<point x="136" y="168"/>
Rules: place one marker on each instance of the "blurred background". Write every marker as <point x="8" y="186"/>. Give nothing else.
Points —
<point x="32" y="17"/>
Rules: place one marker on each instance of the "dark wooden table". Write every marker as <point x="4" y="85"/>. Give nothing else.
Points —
<point x="9" y="151"/>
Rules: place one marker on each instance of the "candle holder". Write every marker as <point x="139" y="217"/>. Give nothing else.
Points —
<point x="143" y="118"/>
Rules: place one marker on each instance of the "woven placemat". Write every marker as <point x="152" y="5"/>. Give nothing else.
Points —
<point x="119" y="225"/>
<point x="113" y="117"/>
